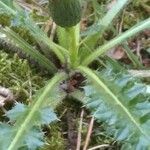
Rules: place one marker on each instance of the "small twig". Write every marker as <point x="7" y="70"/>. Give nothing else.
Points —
<point x="53" y="31"/>
<point x="47" y="26"/>
<point x="121" y="23"/>
<point x="99" y="146"/>
<point x="138" y="49"/>
<point x="80" y="130"/>
<point x="89" y="134"/>
<point x="140" y="73"/>
<point x="62" y="114"/>
<point x="30" y="87"/>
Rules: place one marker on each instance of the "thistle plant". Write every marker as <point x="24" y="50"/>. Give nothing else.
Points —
<point x="111" y="94"/>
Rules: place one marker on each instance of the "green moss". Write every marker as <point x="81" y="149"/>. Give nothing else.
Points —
<point x="24" y="33"/>
<point x="54" y="140"/>
<point x="39" y="17"/>
<point x="5" y="19"/>
<point x="16" y="74"/>
<point x="134" y="13"/>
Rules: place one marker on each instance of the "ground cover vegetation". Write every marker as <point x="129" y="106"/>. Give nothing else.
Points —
<point x="74" y="70"/>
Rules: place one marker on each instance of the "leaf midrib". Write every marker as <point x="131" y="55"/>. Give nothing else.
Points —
<point x="27" y="120"/>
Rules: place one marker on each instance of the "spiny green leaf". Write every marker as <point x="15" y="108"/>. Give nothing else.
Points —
<point x="40" y="36"/>
<point x="34" y="139"/>
<point x="5" y="132"/>
<point x="16" y="111"/>
<point x="36" y="31"/>
<point x="29" y="50"/>
<point x="39" y="112"/>
<point x="45" y="116"/>
<point x="115" y="98"/>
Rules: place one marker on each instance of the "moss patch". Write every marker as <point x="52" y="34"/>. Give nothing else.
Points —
<point x="16" y="74"/>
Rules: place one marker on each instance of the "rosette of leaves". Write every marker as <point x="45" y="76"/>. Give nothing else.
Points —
<point x="113" y="98"/>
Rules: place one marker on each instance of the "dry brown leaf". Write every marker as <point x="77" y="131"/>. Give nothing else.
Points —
<point x="146" y="62"/>
<point x="116" y="53"/>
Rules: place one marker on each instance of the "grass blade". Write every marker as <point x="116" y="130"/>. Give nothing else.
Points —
<point x="132" y="56"/>
<point x="99" y="28"/>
